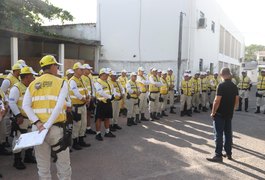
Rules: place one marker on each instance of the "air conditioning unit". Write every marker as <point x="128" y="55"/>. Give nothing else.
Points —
<point x="202" y="24"/>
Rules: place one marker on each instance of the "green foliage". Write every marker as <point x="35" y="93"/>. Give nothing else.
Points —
<point x="28" y="15"/>
<point x="251" y="50"/>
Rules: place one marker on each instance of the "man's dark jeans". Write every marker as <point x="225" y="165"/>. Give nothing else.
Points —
<point x="222" y="127"/>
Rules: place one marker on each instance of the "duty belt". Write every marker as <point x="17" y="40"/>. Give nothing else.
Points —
<point x="261" y="89"/>
<point x="204" y="90"/>
<point x="78" y="105"/>
<point x="59" y="124"/>
<point x="243" y="89"/>
<point x="155" y="92"/>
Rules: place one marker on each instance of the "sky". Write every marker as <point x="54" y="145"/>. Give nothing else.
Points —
<point x="247" y="15"/>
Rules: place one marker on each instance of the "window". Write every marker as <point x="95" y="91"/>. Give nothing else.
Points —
<point x="213" y="26"/>
<point x="201" y="65"/>
<point x="202" y="14"/>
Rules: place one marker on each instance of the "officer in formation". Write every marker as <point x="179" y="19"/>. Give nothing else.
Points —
<point x="164" y="94"/>
<point x="196" y="83"/>
<point x="123" y="80"/>
<point x="186" y="90"/>
<point x="260" y="90"/>
<point x="244" y="86"/>
<point x="171" y="82"/>
<point x="213" y="82"/>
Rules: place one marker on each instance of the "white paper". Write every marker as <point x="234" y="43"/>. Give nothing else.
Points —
<point x="30" y="139"/>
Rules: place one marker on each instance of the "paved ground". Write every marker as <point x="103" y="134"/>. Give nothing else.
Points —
<point x="169" y="149"/>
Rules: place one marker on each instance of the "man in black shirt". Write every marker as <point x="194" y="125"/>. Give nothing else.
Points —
<point x="225" y="102"/>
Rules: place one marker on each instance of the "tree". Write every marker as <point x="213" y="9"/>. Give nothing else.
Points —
<point x="250" y="51"/>
<point x="28" y="15"/>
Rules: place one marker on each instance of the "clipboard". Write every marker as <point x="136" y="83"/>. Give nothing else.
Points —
<point x="30" y="139"/>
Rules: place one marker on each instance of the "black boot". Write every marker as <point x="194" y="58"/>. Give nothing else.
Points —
<point x="155" y="116"/>
<point x="82" y="143"/>
<point x="143" y="117"/>
<point x="129" y="123"/>
<point x="133" y="122"/>
<point x="240" y="105"/>
<point x="29" y="158"/>
<point x="182" y="113"/>
<point x="246" y="105"/>
<point x="76" y="145"/>
<point x="164" y="114"/>
<point x="137" y="119"/>
<point x="200" y="107"/>
<point x="4" y="151"/>
<point x="159" y="115"/>
<point x="18" y="164"/>
<point x="112" y="128"/>
<point x="189" y="113"/>
<point x="151" y="116"/>
<point x="172" y="110"/>
<point x="258" y="109"/>
<point x="196" y="110"/>
<point x="204" y="109"/>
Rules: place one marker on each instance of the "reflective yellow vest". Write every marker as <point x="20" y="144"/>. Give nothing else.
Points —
<point x="12" y="79"/>
<point x="171" y="80"/>
<point x="82" y="90"/>
<point x="142" y="87"/>
<point x="164" y="88"/>
<point x="134" y="88"/>
<point x="45" y="92"/>
<point x="117" y="87"/>
<point x="2" y="96"/>
<point x="244" y="83"/>
<point x="196" y="83"/>
<point x="215" y="84"/>
<point x="204" y="84"/>
<point x="22" y="89"/>
<point x="106" y="88"/>
<point x="186" y="87"/>
<point x="153" y="88"/>
<point x="123" y="81"/>
<point x="87" y="83"/>
<point x="261" y="83"/>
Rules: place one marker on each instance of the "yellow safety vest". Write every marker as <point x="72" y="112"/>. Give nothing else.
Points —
<point x="12" y="79"/>
<point x="186" y="87"/>
<point x="171" y="80"/>
<point x="153" y="88"/>
<point x="142" y="87"/>
<point x="45" y="92"/>
<point x="117" y="87"/>
<point x="204" y="84"/>
<point x="196" y="83"/>
<point x="244" y="83"/>
<point x="123" y="81"/>
<point x="82" y="90"/>
<point x="88" y="83"/>
<point x="261" y="83"/>
<point x="215" y="82"/>
<point x="134" y="88"/>
<point x="164" y="88"/>
<point x="106" y="88"/>
<point x="2" y="96"/>
<point x="22" y="89"/>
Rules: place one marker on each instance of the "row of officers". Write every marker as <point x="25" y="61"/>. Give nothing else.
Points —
<point x="45" y="101"/>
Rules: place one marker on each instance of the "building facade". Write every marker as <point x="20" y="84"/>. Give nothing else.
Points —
<point x="145" y="33"/>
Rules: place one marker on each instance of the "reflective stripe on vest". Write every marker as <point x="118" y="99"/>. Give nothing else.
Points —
<point x="141" y="85"/>
<point x="117" y="87"/>
<point x="134" y="88"/>
<point x="153" y="87"/>
<point x="43" y="91"/>
<point x="243" y="83"/>
<point x="106" y="88"/>
<point x="261" y="82"/>
<point x="22" y="89"/>
<point x="164" y="87"/>
<point x="186" y="87"/>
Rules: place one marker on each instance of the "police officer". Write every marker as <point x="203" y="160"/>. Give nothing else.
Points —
<point x="214" y="81"/>
<point x="260" y="90"/>
<point x="132" y="102"/>
<point x="105" y="94"/>
<point x="187" y="91"/>
<point x="196" y="83"/>
<point x="88" y="82"/>
<point x="164" y="89"/>
<point x="21" y="124"/>
<point x="154" y="94"/>
<point x="79" y="98"/>
<point x="171" y="82"/>
<point x="44" y="104"/>
<point x="204" y="91"/>
<point x="116" y="102"/>
<point x="69" y="73"/>
<point x="142" y="83"/>
<point x="123" y="80"/>
<point x="244" y="86"/>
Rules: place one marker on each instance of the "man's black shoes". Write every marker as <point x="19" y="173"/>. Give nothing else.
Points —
<point x="215" y="159"/>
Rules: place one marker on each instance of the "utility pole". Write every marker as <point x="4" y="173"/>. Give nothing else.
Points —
<point x="180" y="47"/>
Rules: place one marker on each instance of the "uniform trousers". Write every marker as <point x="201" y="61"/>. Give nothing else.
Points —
<point x="43" y="156"/>
<point x="260" y="98"/>
<point x="184" y="99"/>
<point x="163" y="103"/>
<point x="153" y="102"/>
<point x="171" y="97"/>
<point x="143" y="102"/>
<point x="116" y="111"/>
<point x="79" y="127"/>
<point x="196" y="99"/>
<point x="132" y="107"/>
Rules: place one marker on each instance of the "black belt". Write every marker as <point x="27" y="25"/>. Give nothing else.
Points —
<point x="261" y="89"/>
<point x="243" y="89"/>
<point x="78" y="105"/>
<point x="204" y="90"/>
<point x="213" y="90"/>
<point x="154" y="92"/>
<point x="59" y="124"/>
